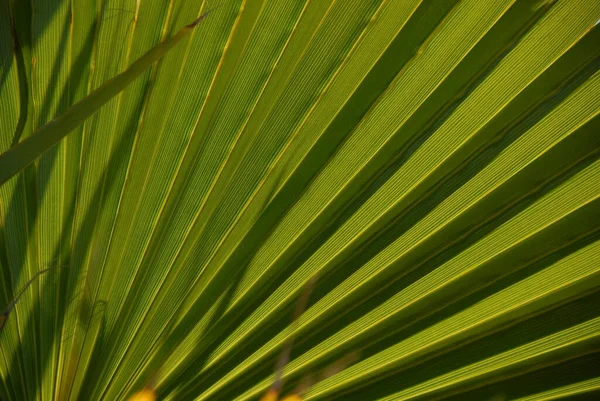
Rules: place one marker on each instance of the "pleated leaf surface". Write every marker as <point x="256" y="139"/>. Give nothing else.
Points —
<point x="430" y="169"/>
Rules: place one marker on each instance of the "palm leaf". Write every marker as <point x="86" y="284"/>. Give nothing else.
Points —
<point x="433" y="166"/>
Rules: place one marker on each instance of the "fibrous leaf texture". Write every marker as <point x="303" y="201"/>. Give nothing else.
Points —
<point x="430" y="168"/>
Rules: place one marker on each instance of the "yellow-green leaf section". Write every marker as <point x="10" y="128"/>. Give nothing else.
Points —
<point x="432" y="166"/>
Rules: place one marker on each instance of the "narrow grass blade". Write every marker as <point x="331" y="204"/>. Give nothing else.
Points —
<point x="21" y="155"/>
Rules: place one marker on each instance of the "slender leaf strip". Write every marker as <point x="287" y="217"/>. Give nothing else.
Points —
<point x="25" y="152"/>
<point x="588" y="386"/>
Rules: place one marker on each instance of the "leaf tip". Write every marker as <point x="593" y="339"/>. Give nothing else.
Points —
<point x="201" y="17"/>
